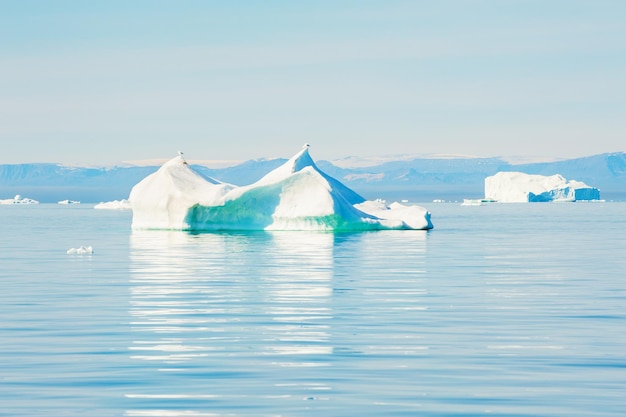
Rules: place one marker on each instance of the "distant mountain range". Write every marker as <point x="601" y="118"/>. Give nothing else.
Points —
<point x="419" y="179"/>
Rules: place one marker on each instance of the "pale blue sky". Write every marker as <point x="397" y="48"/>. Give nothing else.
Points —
<point x="101" y="82"/>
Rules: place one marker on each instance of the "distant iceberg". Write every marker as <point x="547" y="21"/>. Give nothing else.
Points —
<point x="295" y="196"/>
<point x="518" y="187"/>
<point x="122" y="204"/>
<point x="18" y="199"/>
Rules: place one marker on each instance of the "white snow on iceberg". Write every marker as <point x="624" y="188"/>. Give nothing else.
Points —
<point x="294" y="196"/>
<point x="518" y="187"/>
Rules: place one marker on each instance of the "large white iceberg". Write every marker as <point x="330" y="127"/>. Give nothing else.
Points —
<point x="294" y="196"/>
<point x="519" y="187"/>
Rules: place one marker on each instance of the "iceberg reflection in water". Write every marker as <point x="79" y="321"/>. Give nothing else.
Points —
<point x="248" y="319"/>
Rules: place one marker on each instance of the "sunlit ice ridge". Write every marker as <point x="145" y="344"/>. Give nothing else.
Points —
<point x="295" y="196"/>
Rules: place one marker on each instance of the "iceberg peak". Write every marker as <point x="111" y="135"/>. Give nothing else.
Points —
<point x="296" y="163"/>
<point x="303" y="159"/>
<point x="162" y="199"/>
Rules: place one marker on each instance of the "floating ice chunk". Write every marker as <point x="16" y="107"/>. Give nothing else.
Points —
<point x="397" y="215"/>
<point x="82" y="250"/>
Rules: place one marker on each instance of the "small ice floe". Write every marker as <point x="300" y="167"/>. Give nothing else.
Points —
<point x="83" y="250"/>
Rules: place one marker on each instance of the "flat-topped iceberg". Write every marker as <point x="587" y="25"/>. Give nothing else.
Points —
<point x="295" y="196"/>
<point x="518" y="187"/>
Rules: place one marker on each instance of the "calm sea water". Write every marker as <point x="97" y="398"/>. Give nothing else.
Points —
<point x="503" y="309"/>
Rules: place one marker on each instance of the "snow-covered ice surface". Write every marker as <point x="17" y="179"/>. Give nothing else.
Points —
<point x="519" y="187"/>
<point x="81" y="250"/>
<point x="295" y="196"/>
